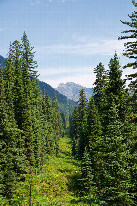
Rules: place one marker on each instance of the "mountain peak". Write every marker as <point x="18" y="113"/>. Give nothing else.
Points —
<point x="71" y="90"/>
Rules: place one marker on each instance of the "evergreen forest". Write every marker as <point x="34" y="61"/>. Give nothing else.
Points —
<point x="87" y="156"/>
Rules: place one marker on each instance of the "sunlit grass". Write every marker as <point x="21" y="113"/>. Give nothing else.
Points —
<point x="62" y="169"/>
<point x="59" y="183"/>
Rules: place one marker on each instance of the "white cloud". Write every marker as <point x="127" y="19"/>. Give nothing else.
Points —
<point x="34" y="2"/>
<point x="83" y="46"/>
<point x="80" y="75"/>
<point x="85" y="80"/>
<point x="65" y="71"/>
<point x="55" y="0"/>
<point x="101" y="47"/>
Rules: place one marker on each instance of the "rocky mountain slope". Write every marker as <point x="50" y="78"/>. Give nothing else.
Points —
<point x="66" y="106"/>
<point x="2" y="61"/>
<point x="71" y="90"/>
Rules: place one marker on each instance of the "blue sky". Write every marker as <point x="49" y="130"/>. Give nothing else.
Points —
<point x="70" y="37"/>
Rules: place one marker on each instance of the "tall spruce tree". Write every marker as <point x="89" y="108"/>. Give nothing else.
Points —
<point x="57" y="118"/>
<point x="82" y="123"/>
<point x="100" y="83"/>
<point x="114" y="178"/>
<point x="131" y="53"/>
<point x="12" y="145"/>
<point x="131" y="45"/>
<point x="116" y="83"/>
<point x="90" y="167"/>
<point x="15" y="52"/>
<point x="115" y="90"/>
<point x="51" y="133"/>
<point x="57" y="121"/>
<point x="130" y="35"/>
<point x="74" y="130"/>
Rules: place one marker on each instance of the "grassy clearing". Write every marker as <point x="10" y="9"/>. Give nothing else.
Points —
<point x="64" y="173"/>
<point x="58" y="184"/>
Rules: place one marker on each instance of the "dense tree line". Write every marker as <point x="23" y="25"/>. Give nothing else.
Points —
<point x="30" y="124"/>
<point x="104" y="131"/>
<point x="104" y="138"/>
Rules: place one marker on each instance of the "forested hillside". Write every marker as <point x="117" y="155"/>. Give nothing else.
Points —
<point x="66" y="106"/>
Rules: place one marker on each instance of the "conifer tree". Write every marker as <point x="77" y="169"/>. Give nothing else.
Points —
<point x="131" y="46"/>
<point x="15" y="52"/>
<point x="74" y="130"/>
<point x="57" y="121"/>
<point x="114" y="176"/>
<point x="90" y="164"/>
<point x="12" y="157"/>
<point x="9" y="72"/>
<point x="82" y="123"/>
<point x="26" y="116"/>
<point x="114" y="180"/>
<point x="31" y="120"/>
<point x="57" y="118"/>
<point x="116" y="89"/>
<point x="48" y="142"/>
<point x="51" y="133"/>
<point x="100" y="83"/>
<point x="93" y="123"/>
<point x="130" y="35"/>
<point x="131" y="52"/>
<point x="116" y="84"/>
<point x="87" y="173"/>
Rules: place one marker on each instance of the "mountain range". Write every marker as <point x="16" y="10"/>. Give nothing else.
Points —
<point x="71" y="90"/>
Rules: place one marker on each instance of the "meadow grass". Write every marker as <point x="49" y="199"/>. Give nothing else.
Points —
<point x="59" y="184"/>
<point x="63" y="174"/>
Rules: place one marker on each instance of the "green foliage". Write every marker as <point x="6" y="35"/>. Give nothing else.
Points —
<point x="78" y="125"/>
<point x="100" y="83"/>
<point x="66" y="106"/>
<point x="108" y="164"/>
<point x="90" y="159"/>
<point x="74" y="130"/>
<point x="29" y="126"/>
<point x="58" y="184"/>
<point x="36" y="163"/>
<point x="114" y="178"/>
<point x="131" y="49"/>
<point x="86" y="169"/>
<point x="82" y="123"/>
<point x="116" y="84"/>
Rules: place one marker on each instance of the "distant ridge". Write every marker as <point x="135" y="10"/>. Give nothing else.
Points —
<point x="66" y="106"/>
<point x="2" y="61"/>
<point x="71" y="90"/>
